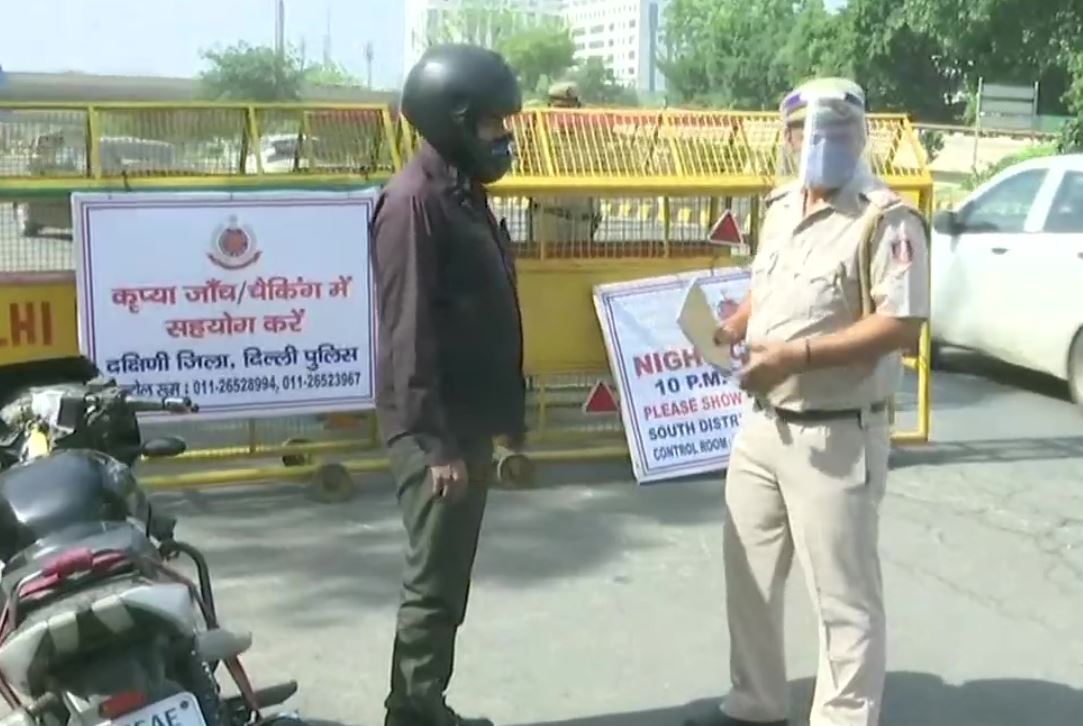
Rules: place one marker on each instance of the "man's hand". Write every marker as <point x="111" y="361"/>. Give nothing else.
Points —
<point x="449" y="480"/>
<point x="512" y="442"/>
<point x="769" y="364"/>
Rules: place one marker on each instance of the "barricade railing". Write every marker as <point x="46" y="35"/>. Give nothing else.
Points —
<point x="652" y="183"/>
<point x="599" y="196"/>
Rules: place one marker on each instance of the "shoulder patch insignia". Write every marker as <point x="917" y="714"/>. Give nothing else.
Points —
<point x="902" y="250"/>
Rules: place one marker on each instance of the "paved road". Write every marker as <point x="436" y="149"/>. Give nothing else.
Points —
<point x="598" y="603"/>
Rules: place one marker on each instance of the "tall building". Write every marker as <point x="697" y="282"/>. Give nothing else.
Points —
<point x="625" y="34"/>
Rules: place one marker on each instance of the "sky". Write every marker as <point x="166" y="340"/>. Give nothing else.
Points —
<point x="165" y="37"/>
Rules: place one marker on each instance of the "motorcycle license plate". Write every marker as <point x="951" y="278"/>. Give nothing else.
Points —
<point x="179" y="710"/>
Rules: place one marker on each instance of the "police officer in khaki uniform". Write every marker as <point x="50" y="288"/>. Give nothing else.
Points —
<point x="809" y="464"/>
<point x="563" y="219"/>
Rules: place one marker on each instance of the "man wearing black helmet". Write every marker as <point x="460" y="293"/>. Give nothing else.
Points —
<point x="450" y="354"/>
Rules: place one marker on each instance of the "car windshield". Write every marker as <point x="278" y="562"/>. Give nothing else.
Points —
<point x="1005" y="206"/>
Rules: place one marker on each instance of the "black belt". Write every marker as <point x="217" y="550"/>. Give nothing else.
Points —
<point x="817" y="415"/>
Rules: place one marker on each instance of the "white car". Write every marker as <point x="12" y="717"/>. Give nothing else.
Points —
<point x="1007" y="269"/>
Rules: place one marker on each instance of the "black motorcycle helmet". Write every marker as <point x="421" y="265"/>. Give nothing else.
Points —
<point x="446" y="93"/>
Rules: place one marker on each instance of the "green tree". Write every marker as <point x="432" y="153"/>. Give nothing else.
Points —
<point x="599" y="87"/>
<point x="329" y="73"/>
<point x="815" y="44"/>
<point x="1004" y="41"/>
<point x="918" y="56"/>
<point x="747" y="53"/>
<point x="726" y="52"/>
<point x="901" y="68"/>
<point x="242" y="72"/>
<point x="538" y="53"/>
<point x="1071" y="138"/>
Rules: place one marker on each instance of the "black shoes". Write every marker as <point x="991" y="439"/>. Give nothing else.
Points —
<point x="446" y="718"/>
<point x="460" y="721"/>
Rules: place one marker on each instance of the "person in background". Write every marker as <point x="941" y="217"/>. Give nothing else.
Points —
<point x="449" y="376"/>
<point x="839" y="286"/>
<point x="563" y="220"/>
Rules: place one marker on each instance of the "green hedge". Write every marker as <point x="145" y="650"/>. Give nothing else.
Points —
<point x="1033" y="152"/>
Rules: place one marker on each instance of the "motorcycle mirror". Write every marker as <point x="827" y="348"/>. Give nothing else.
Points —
<point x="164" y="447"/>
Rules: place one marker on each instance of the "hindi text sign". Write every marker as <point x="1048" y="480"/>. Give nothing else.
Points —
<point x="252" y="304"/>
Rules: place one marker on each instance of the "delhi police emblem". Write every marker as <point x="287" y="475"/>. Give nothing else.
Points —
<point x="233" y="246"/>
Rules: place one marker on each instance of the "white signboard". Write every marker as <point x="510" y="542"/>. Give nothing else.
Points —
<point x="252" y="304"/>
<point x="679" y="413"/>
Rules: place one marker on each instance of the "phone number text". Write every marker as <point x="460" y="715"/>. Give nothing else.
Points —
<point x="239" y="385"/>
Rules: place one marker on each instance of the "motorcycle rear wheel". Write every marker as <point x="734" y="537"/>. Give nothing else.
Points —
<point x="195" y="677"/>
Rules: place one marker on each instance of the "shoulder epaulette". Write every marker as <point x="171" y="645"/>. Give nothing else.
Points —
<point x="778" y="192"/>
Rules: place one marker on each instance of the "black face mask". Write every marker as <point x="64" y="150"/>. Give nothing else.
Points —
<point x="496" y="158"/>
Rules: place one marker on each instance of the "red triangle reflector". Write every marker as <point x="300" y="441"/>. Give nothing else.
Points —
<point x="726" y="231"/>
<point x="601" y="400"/>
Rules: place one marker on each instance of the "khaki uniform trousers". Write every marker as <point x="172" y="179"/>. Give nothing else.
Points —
<point x="813" y="489"/>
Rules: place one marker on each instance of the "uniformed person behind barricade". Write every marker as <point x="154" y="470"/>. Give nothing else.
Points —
<point x="563" y="219"/>
<point x="449" y="370"/>
<point x="839" y="285"/>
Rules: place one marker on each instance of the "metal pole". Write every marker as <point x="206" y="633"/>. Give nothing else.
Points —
<point x="280" y="28"/>
<point x="1034" y="119"/>
<point x="280" y="43"/>
<point x="369" y="55"/>
<point x="977" y="125"/>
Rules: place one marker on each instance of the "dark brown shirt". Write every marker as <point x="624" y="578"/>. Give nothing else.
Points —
<point x="450" y="345"/>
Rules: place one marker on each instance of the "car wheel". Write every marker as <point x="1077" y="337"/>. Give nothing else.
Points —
<point x="1075" y="368"/>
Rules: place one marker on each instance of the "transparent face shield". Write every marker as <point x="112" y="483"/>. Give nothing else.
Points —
<point x="825" y="140"/>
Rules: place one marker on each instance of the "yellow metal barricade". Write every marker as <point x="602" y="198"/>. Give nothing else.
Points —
<point x="49" y="151"/>
<point x="595" y="196"/>
<point x="656" y="181"/>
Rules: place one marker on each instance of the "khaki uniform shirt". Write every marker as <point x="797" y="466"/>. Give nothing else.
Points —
<point x="805" y="282"/>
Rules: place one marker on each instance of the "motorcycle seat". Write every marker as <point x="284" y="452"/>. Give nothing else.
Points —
<point x="95" y="537"/>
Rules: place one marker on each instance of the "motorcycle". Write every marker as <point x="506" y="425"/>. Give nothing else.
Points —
<point x="97" y="626"/>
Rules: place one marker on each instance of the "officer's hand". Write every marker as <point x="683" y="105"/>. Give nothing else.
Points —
<point x="449" y="480"/>
<point x="725" y="335"/>
<point x="769" y="364"/>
